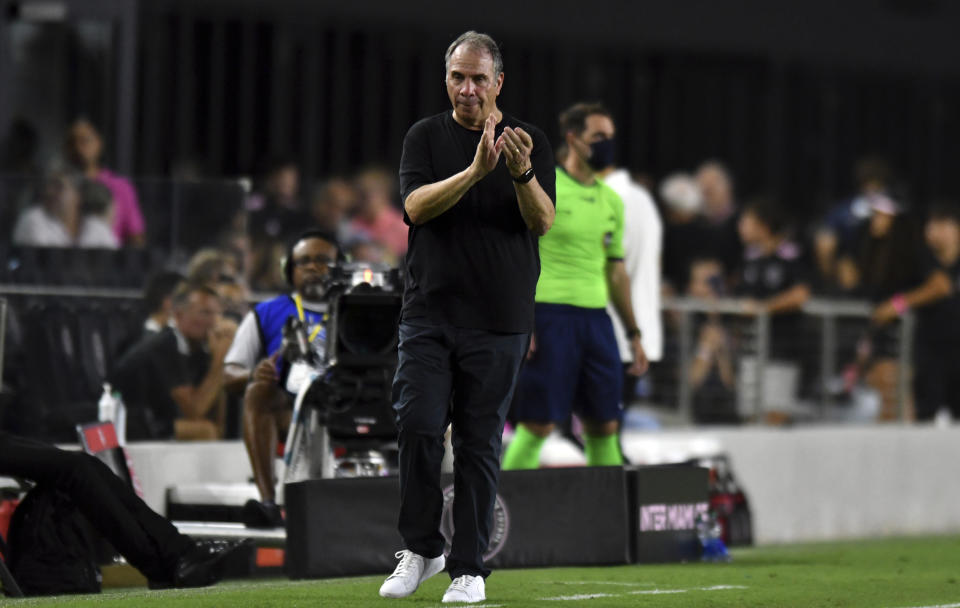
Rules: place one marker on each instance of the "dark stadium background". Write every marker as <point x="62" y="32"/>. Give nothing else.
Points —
<point x="789" y="93"/>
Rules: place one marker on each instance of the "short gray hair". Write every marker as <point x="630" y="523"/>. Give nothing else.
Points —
<point x="477" y="41"/>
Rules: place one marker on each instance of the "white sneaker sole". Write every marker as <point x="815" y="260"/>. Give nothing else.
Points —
<point x="435" y="566"/>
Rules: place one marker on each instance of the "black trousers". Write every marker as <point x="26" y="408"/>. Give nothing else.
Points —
<point x="936" y="379"/>
<point x="148" y="541"/>
<point x="467" y="377"/>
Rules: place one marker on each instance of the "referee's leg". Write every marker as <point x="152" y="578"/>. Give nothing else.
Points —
<point x="484" y="380"/>
<point x="421" y="396"/>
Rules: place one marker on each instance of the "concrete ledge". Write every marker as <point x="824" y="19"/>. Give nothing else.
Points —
<point x="804" y="484"/>
<point x="825" y="483"/>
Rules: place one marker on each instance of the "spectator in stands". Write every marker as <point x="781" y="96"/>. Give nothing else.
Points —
<point x="642" y="245"/>
<point x="219" y="269"/>
<point x="333" y="203"/>
<point x="146" y="539"/>
<point x="890" y="267"/>
<point x="362" y="248"/>
<point x="840" y="229"/>
<point x="774" y="275"/>
<point x="276" y="211"/>
<point x="712" y="375"/>
<point x="377" y="215"/>
<point x="276" y="214"/>
<point x="158" y="300"/>
<point x="85" y="151"/>
<point x="720" y="212"/>
<point x="97" y="209"/>
<point x="254" y="361"/>
<point x="575" y="363"/>
<point x="684" y="234"/>
<point x="775" y="280"/>
<point x="936" y="370"/>
<point x="172" y="381"/>
<point x="59" y="219"/>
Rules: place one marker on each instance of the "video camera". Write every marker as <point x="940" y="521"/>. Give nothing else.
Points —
<point x="348" y="398"/>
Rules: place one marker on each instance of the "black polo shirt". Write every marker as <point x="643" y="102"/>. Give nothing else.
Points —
<point x="763" y="276"/>
<point x="146" y="375"/>
<point x="939" y="323"/>
<point x="476" y="265"/>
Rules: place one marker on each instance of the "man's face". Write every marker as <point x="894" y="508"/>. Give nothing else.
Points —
<point x="84" y="143"/>
<point x="198" y="316"/>
<point x="751" y="229"/>
<point x="334" y="204"/>
<point x="597" y="127"/>
<point x="942" y="233"/>
<point x="472" y="86"/>
<point x="311" y="261"/>
<point x="716" y="189"/>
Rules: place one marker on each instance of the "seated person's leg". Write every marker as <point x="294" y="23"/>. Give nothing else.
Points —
<point x="266" y="414"/>
<point x="195" y="430"/>
<point x="148" y="541"/>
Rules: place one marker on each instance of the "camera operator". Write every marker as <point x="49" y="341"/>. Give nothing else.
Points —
<point x="255" y="360"/>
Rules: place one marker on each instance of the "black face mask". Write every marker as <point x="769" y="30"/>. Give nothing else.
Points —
<point x="601" y="154"/>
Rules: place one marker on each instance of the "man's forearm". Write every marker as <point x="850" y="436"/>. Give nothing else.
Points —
<point x="618" y="283"/>
<point x="789" y="300"/>
<point x="235" y="377"/>
<point x="431" y="200"/>
<point x="205" y="396"/>
<point x="936" y="287"/>
<point x="535" y="206"/>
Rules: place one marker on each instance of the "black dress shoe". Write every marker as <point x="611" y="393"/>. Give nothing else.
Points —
<point x="256" y="514"/>
<point x="204" y="565"/>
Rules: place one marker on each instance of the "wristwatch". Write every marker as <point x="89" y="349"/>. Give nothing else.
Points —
<point x="524" y="177"/>
<point x="633" y="333"/>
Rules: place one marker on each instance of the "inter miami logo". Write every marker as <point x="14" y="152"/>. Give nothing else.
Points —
<point x="498" y="530"/>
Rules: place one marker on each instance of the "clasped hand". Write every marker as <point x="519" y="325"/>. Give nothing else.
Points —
<point x="515" y="145"/>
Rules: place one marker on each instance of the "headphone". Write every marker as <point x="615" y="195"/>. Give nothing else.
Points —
<point x="286" y="263"/>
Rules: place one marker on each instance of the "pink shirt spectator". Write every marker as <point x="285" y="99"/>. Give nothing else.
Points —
<point x="388" y="230"/>
<point x="127" y="218"/>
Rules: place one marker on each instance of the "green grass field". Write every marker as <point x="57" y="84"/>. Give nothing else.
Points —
<point x="897" y="573"/>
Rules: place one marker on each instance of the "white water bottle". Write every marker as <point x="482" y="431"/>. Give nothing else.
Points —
<point x="107" y="407"/>
<point x="120" y="418"/>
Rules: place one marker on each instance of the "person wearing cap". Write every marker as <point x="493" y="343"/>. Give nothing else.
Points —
<point x="889" y="266"/>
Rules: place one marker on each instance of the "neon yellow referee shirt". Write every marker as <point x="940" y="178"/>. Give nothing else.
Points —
<point x="587" y="231"/>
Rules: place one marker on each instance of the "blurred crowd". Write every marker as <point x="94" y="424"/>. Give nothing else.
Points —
<point x="872" y="244"/>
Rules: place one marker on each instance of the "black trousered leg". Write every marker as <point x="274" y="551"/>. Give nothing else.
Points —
<point x="146" y="539"/>
<point x="466" y="377"/>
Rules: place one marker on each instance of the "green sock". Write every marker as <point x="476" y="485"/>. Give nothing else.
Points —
<point x="524" y="451"/>
<point x="603" y="451"/>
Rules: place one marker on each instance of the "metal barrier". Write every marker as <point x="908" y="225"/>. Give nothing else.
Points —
<point x="757" y="374"/>
<point x="754" y="345"/>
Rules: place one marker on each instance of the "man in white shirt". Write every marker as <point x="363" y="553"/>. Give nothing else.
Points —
<point x="255" y="361"/>
<point x="642" y="246"/>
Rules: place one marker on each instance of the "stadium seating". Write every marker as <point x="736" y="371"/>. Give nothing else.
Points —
<point x="54" y="266"/>
<point x="69" y="346"/>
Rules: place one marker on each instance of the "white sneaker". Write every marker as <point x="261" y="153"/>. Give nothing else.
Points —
<point x="412" y="570"/>
<point x="465" y="589"/>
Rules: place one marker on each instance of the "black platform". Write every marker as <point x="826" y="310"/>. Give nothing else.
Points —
<point x="547" y="517"/>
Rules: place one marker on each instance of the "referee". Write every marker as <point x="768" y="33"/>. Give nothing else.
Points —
<point x="478" y="189"/>
<point x="575" y="362"/>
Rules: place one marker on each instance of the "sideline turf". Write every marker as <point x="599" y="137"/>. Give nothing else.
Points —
<point x="896" y="573"/>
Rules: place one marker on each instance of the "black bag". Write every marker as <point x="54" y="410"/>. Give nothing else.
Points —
<point x="52" y="545"/>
